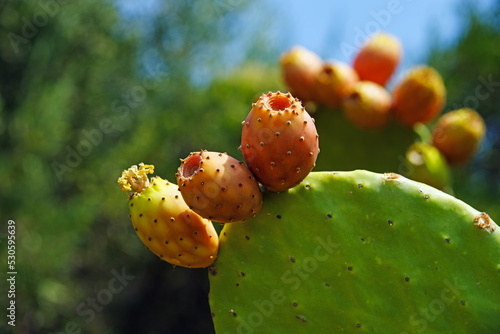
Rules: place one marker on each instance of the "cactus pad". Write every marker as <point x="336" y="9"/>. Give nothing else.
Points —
<point x="345" y="147"/>
<point x="358" y="252"/>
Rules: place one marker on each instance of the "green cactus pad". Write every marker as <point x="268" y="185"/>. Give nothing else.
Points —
<point x="345" y="147"/>
<point x="358" y="252"/>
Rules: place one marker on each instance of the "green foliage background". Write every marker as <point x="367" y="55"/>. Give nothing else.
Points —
<point x="148" y="88"/>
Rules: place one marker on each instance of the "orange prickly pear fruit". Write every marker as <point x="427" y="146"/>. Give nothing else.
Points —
<point x="458" y="134"/>
<point x="419" y="96"/>
<point x="335" y="81"/>
<point x="368" y="106"/>
<point x="279" y="141"/>
<point x="164" y="222"/>
<point x="219" y="187"/>
<point x="300" y="67"/>
<point x="378" y="58"/>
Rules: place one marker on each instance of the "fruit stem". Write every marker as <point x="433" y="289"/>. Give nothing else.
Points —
<point x="136" y="178"/>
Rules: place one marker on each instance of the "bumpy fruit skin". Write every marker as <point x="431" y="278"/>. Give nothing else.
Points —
<point x="458" y="134"/>
<point x="420" y="96"/>
<point x="279" y="141"/>
<point x="368" y="106"/>
<point x="300" y="67"/>
<point x="426" y="164"/>
<point x="219" y="187"/>
<point x="378" y="58"/>
<point x="335" y="81"/>
<point x="165" y="224"/>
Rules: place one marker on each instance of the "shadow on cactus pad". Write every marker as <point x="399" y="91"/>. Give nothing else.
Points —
<point x="358" y="252"/>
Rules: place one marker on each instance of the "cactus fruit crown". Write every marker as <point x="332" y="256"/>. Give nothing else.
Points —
<point x="190" y="166"/>
<point x="278" y="102"/>
<point x="136" y="178"/>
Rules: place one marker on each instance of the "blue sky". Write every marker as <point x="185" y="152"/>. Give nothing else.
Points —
<point x="335" y="29"/>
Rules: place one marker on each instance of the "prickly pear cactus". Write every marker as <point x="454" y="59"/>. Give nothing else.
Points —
<point x="358" y="252"/>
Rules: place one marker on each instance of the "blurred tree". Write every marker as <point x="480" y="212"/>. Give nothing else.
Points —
<point x="472" y="78"/>
<point x="86" y="90"/>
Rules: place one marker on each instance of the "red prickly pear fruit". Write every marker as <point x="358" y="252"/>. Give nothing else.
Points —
<point x="378" y="58"/>
<point x="458" y="134"/>
<point x="368" y="106"/>
<point x="426" y="164"/>
<point x="419" y="96"/>
<point x="300" y="67"/>
<point x="219" y="187"/>
<point x="335" y="81"/>
<point x="164" y="222"/>
<point x="279" y="141"/>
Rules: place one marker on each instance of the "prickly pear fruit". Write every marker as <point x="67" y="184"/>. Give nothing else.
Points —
<point x="219" y="187"/>
<point x="164" y="222"/>
<point x="378" y="58"/>
<point x="426" y="164"/>
<point x="368" y="105"/>
<point x="279" y="141"/>
<point x="300" y="67"/>
<point x="419" y="96"/>
<point x="458" y="134"/>
<point x="335" y="80"/>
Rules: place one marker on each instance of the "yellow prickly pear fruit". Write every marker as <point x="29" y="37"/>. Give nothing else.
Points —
<point x="164" y="222"/>
<point x="458" y="134"/>
<point x="368" y="106"/>
<point x="300" y="67"/>
<point x="334" y="82"/>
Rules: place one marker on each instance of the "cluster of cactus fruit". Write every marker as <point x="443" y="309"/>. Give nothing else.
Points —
<point x="304" y="251"/>
<point x="417" y="99"/>
<point x="279" y="143"/>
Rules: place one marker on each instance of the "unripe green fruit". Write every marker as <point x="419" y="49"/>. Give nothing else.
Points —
<point x="428" y="165"/>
